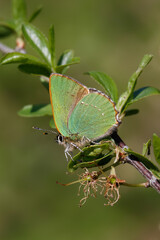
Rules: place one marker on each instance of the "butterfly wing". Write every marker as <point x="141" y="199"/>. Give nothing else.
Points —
<point x="65" y="93"/>
<point x="94" y="117"/>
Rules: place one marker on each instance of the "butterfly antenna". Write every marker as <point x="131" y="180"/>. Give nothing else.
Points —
<point x="45" y="131"/>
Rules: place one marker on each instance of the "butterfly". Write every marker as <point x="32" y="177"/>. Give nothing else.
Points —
<point x="81" y="114"/>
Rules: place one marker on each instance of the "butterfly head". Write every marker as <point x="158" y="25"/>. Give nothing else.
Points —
<point x="60" y="139"/>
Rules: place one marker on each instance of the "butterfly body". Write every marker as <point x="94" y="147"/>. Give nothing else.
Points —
<point x="81" y="114"/>
<point x="70" y="144"/>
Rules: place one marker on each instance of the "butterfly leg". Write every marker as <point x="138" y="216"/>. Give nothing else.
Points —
<point x="66" y="152"/>
<point x="74" y="145"/>
<point x="90" y="141"/>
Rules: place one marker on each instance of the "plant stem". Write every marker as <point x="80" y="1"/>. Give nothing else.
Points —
<point x="132" y="160"/>
<point x="5" y="49"/>
<point x="146" y="184"/>
<point x="109" y="167"/>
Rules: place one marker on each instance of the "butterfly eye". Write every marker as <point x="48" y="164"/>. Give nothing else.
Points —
<point x="59" y="138"/>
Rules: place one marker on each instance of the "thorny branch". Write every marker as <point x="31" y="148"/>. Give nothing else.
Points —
<point x="152" y="180"/>
<point x="5" y="49"/>
<point x="19" y="47"/>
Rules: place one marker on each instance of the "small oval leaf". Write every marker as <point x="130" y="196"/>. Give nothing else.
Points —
<point x="52" y="45"/>
<point x="5" y="31"/>
<point x="38" y="41"/>
<point x="131" y="112"/>
<point x="66" y="60"/>
<point x="52" y="123"/>
<point x="45" y="82"/>
<point x="127" y="96"/>
<point x="62" y="68"/>
<point x="19" y="10"/>
<point x="92" y="156"/>
<point x="153" y="168"/>
<point x="35" y="68"/>
<point x="107" y="83"/>
<point x="19" y="14"/>
<point x="16" y="57"/>
<point x="146" y="148"/>
<point x="66" y="57"/>
<point x="36" y="110"/>
<point x="144" y="92"/>
<point x="156" y="147"/>
<point x="35" y="14"/>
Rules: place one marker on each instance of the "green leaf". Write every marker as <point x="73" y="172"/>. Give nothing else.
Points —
<point x="36" y="110"/>
<point x="52" y="123"/>
<point x="38" y="41"/>
<point x="8" y="24"/>
<point x="19" y="14"/>
<point x="19" y="10"/>
<point x="65" y="60"/>
<point x="63" y="68"/>
<point x="29" y="64"/>
<point x="7" y="28"/>
<point x="35" y="68"/>
<point x="153" y="168"/>
<point x="5" y="31"/>
<point x="95" y="163"/>
<point x="17" y="57"/>
<point x="45" y="82"/>
<point x="146" y="148"/>
<point x="92" y="156"/>
<point x="35" y="14"/>
<point x="52" y="45"/>
<point x="107" y="83"/>
<point x="131" y="112"/>
<point x="127" y="96"/>
<point x="66" y="57"/>
<point x="144" y="92"/>
<point x="156" y="147"/>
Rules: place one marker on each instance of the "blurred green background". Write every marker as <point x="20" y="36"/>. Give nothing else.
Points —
<point x="109" y="36"/>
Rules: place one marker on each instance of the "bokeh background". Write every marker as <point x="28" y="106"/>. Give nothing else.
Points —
<point x="109" y="36"/>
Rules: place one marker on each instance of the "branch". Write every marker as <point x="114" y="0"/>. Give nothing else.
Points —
<point x="19" y="48"/>
<point x="152" y="180"/>
<point x="5" y="49"/>
<point x="146" y="184"/>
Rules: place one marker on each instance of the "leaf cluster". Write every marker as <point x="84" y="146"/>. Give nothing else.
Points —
<point x="92" y="156"/>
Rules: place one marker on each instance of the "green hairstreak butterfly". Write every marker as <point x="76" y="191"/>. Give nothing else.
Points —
<point x="81" y="114"/>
